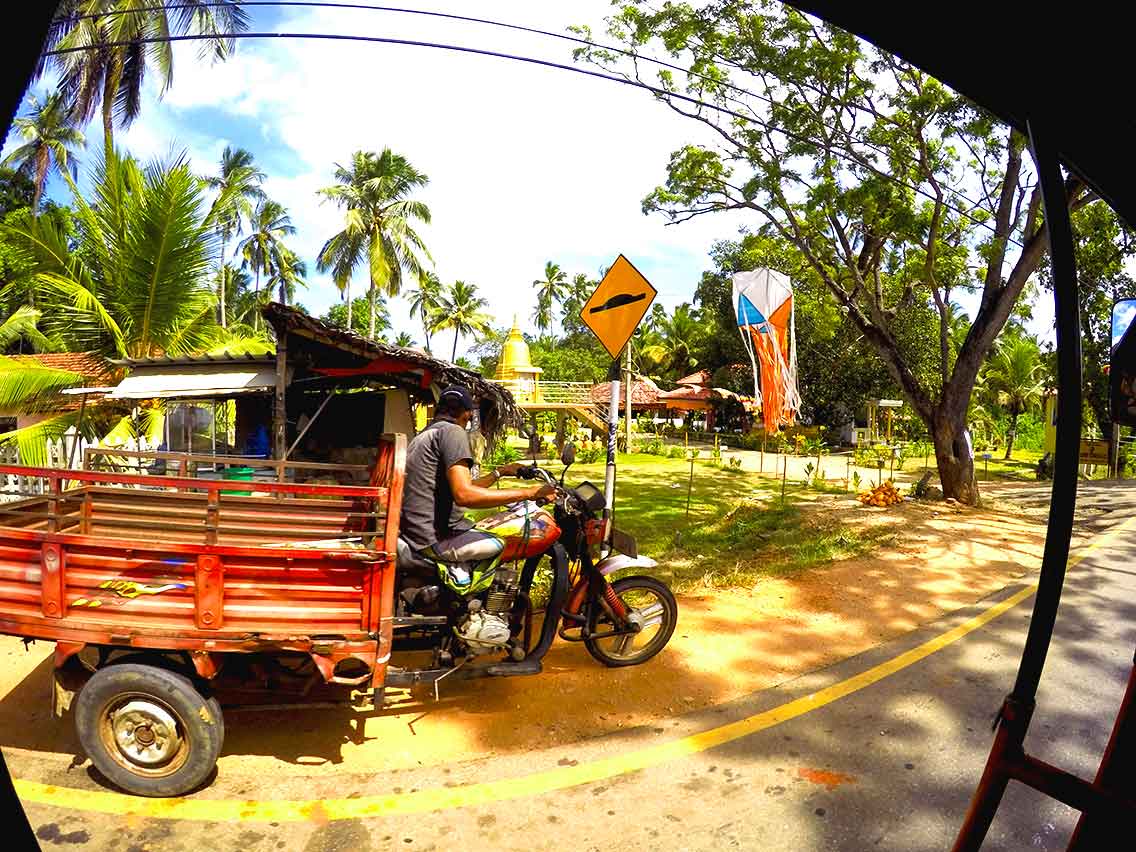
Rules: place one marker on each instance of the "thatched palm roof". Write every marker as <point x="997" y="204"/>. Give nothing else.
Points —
<point x="411" y="369"/>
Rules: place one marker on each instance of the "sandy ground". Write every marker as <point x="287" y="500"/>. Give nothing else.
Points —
<point x="727" y="644"/>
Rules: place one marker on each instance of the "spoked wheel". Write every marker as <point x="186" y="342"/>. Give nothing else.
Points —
<point x="148" y="730"/>
<point x="652" y="605"/>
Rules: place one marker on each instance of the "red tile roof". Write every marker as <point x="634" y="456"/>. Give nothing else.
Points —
<point x="90" y="365"/>
<point x="688" y="392"/>
<point x="702" y="377"/>
<point x="643" y="392"/>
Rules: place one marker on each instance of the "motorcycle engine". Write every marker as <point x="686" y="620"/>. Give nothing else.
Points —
<point x="487" y="627"/>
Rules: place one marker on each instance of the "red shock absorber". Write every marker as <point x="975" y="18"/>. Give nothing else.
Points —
<point x="618" y="609"/>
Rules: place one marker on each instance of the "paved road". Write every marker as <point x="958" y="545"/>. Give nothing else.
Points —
<point x="889" y="766"/>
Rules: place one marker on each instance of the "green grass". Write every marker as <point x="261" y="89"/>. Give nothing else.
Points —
<point x="1021" y="467"/>
<point x="737" y="529"/>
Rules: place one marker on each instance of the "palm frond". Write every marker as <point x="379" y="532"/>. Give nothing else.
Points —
<point x="22" y="325"/>
<point x="27" y="386"/>
<point x="75" y="314"/>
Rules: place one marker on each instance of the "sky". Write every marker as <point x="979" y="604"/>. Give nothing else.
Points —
<point x="1122" y="317"/>
<point x="526" y="164"/>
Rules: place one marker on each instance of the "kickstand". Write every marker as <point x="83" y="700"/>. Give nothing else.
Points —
<point x="446" y="675"/>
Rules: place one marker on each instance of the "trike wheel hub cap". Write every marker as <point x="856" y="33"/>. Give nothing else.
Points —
<point x="145" y="733"/>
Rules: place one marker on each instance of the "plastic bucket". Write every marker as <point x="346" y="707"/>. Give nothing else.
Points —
<point x="237" y="474"/>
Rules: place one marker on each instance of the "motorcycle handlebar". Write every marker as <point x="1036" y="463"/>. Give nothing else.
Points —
<point x="533" y="472"/>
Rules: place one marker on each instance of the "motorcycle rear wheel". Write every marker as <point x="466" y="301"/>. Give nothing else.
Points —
<point x="651" y="598"/>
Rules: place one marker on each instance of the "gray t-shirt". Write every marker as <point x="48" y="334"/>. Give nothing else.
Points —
<point x="428" y="510"/>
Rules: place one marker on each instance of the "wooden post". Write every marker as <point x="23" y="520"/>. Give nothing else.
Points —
<point x="689" y="485"/>
<point x="279" y="412"/>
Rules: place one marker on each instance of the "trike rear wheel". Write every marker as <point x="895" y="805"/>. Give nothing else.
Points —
<point x="148" y="730"/>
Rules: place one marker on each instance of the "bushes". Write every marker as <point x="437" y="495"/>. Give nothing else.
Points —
<point x="503" y="453"/>
<point x="590" y="452"/>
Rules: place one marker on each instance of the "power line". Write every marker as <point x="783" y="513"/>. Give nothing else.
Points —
<point x="638" y="84"/>
<point x="322" y="4"/>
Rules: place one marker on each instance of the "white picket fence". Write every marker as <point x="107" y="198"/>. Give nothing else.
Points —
<point x="61" y="454"/>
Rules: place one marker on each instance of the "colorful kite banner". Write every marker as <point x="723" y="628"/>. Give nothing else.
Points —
<point x="763" y="302"/>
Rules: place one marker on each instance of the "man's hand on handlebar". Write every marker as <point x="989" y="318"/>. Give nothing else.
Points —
<point x="509" y="469"/>
<point x="543" y="493"/>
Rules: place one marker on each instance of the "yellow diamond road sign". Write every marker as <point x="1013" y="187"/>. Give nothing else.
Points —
<point x="617" y="306"/>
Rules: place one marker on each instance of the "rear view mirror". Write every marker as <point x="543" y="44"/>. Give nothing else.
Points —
<point x="525" y="432"/>
<point x="1122" y="366"/>
<point x="568" y="454"/>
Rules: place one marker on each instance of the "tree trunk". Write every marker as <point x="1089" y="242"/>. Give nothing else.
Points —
<point x="371" y="307"/>
<point x="222" y="314"/>
<point x="256" y="301"/>
<point x="110" y="89"/>
<point x="1013" y="432"/>
<point x="283" y="292"/>
<point x="426" y="334"/>
<point x="454" y="354"/>
<point x="347" y="290"/>
<point x="955" y="458"/>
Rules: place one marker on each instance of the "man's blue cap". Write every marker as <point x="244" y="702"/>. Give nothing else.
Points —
<point x="456" y="393"/>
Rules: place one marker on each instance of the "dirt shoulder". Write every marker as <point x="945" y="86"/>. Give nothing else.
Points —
<point x="728" y="643"/>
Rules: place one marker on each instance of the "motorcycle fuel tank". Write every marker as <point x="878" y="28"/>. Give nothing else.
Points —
<point x="526" y="528"/>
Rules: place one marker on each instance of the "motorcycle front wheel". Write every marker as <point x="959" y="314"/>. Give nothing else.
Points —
<point x="654" y="603"/>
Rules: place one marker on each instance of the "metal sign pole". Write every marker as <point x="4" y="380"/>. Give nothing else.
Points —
<point x="609" y="476"/>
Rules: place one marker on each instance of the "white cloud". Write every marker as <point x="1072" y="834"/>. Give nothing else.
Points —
<point x="526" y="164"/>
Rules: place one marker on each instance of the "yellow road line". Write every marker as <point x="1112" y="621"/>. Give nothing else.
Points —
<point x="226" y="810"/>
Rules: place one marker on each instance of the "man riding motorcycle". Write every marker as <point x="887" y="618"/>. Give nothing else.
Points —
<point x="439" y="479"/>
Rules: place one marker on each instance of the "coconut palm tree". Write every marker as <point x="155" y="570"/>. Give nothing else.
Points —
<point x="287" y="274"/>
<point x="261" y="249"/>
<point x="107" y="59"/>
<point x="461" y="310"/>
<point x="132" y="285"/>
<point x="378" y="225"/>
<point x="424" y="302"/>
<point x="238" y="189"/>
<point x="50" y="141"/>
<point x="405" y="340"/>
<point x="577" y="295"/>
<point x="337" y="316"/>
<point x="1015" y="372"/>
<point x="549" y="291"/>
<point x="132" y="282"/>
<point x="677" y="338"/>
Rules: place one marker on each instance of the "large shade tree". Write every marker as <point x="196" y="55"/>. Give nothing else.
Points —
<point x="860" y="161"/>
<point x="380" y="217"/>
<point x="106" y="53"/>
